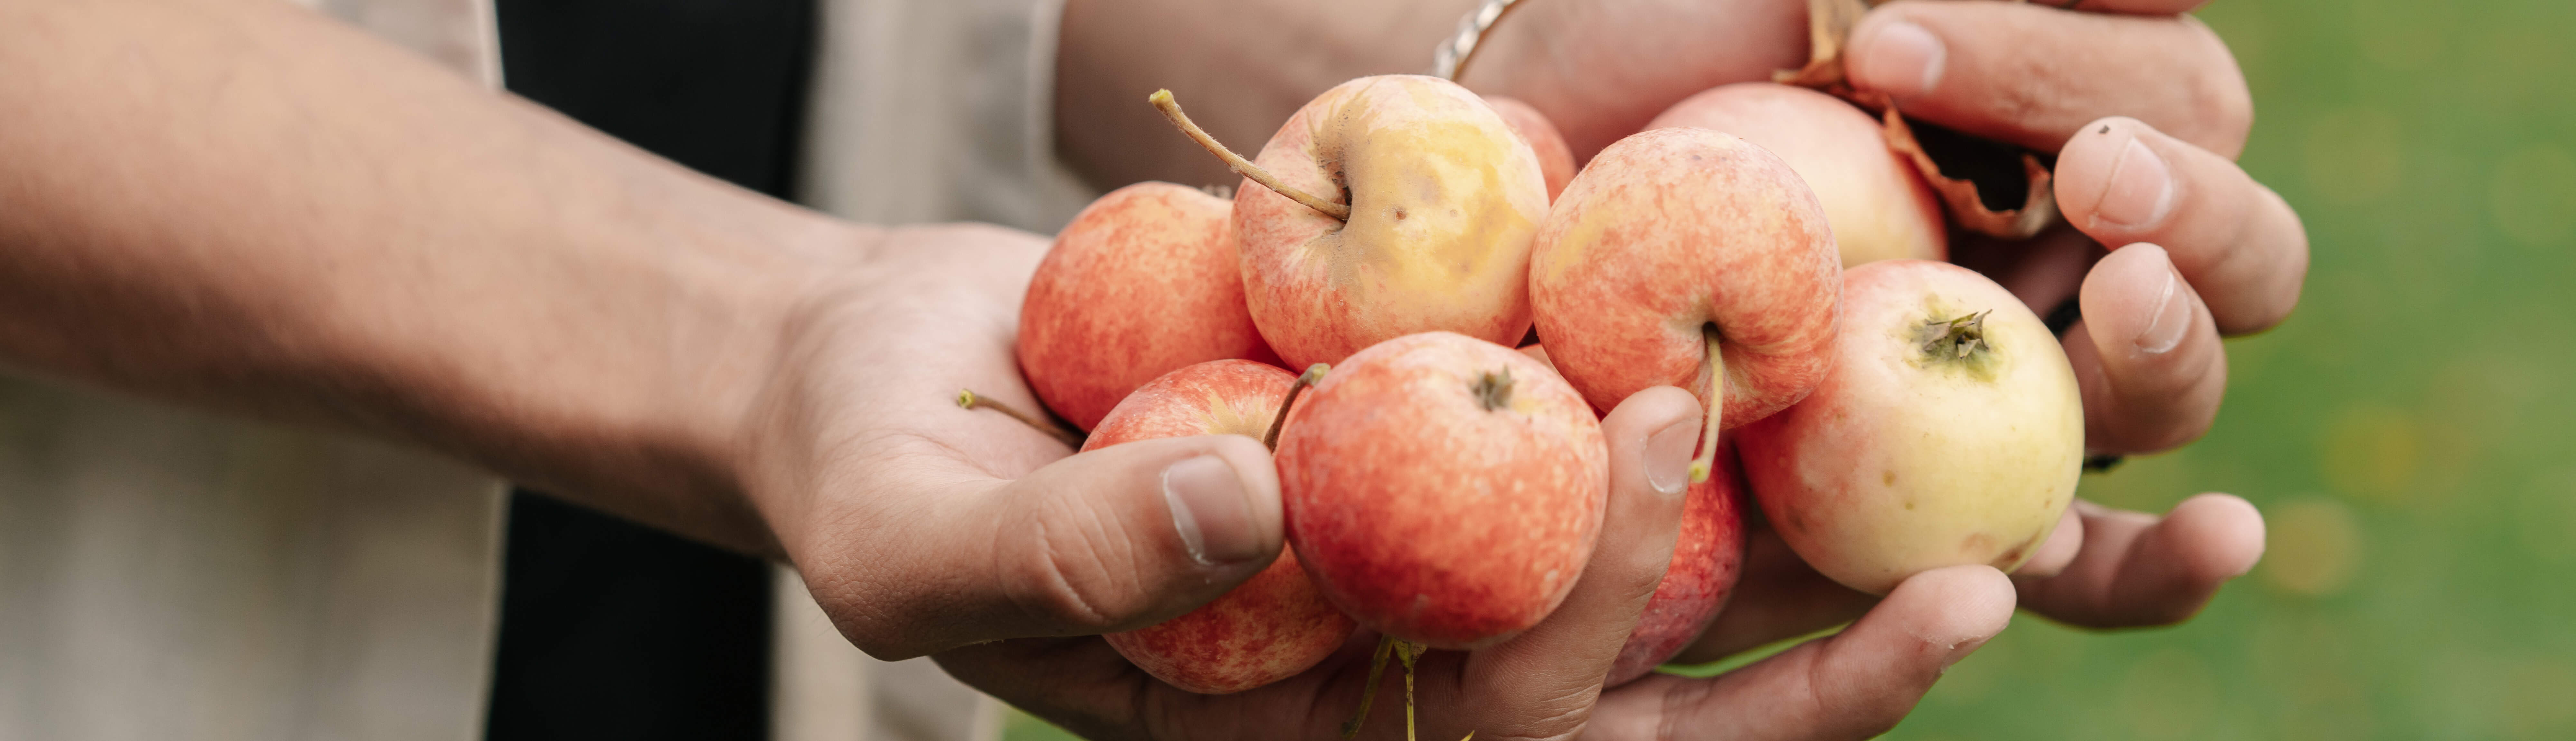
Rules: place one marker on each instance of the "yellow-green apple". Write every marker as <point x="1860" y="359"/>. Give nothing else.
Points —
<point x="1271" y="626"/>
<point x="1707" y="557"/>
<point x="1879" y="206"/>
<point x="1443" y="489"/>
<point x="1555" y="160"/>
<point x="1143" y="281"/>
<point x="1442" y="200"/>
<point x="1950" y="432"/>
<point x="1687" y="257"/>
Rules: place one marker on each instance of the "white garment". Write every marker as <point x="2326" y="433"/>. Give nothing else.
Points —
<point x="171" y="575"/>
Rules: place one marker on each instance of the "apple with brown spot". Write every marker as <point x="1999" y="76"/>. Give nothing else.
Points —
<point x="1950" y="432"/>
<point x="1271" y="626"/>
<point x="1145" y="280"/>
<point x="1443" y="489"/>
<point x="1878" y="204"/>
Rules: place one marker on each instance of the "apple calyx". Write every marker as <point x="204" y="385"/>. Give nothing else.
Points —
<point x="1162" y="100"/>
<point x="1314" y="374"/>
<point x="1706" y="461"/>
<point x="968" y="399"/>
<point x="1956" y="338"/>
<point x="1493" y="390"/>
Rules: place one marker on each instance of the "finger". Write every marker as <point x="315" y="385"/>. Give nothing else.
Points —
<point x="1108" y="540"/>
<point x="1541" y="683"/>
<point x="2135" y="7"/>
<point x="2033" y="75"/>
<point x="2053" y="556"/>
<point x="2138" y="570"/>
<point x="2237" y="242"/>
<point x="1855" y="684"/>
<point x="2146" y="355"/>
<point x="1778" y="597"/>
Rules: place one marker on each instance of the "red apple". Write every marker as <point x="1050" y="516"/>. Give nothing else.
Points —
<point x="1143" y="281"/>
<point x="1442" y="200"/>
<point x="1950" y="432"/>
<point x="1686" y="257"/>
<point x="1879" y="206"/>
<point x="1273" y="625"/>
<point x="1707" y="558"/>
<point x="1555" y="160"/>
<point x="1443" y="489"/>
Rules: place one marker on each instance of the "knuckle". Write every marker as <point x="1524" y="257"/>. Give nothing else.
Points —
<point x="1074" y="569"/>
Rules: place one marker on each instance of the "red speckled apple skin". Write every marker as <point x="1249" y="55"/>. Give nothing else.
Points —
<point x="1143" y="281"/>
<point x="1426" y="515"/>
<point x="1707" y="558"/>
<point x="1673" y="229"/>
<point x="1274" y="625"/>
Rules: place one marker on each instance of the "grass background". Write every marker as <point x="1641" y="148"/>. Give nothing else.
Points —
<point x="2407" y="432"/>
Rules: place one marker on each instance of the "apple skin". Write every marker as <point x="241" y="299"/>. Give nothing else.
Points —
<point x="1143" y="281"/>
<point x="1270" y="627"/>
<point x="1555" y="159"/>
<point x="1443" y="197"/>
<point x="1708" y="557"/>
<point x="1905" y="459"/>
<point x="1428" y="516"/>
<point x="1673" y="229"/>
<point x="1879" y="206"/>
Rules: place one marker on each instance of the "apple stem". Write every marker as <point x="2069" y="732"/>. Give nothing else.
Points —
<point x="1314" y="374"/>
<point x="1408" y="651"/>
<point x="1368" y="693"/>
<point x="968" y="399"/>
<point x="1707" y="459"/>
<point x="1162" y="100"/>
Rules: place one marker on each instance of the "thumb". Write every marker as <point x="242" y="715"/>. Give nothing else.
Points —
<point x="1108" y="540"/>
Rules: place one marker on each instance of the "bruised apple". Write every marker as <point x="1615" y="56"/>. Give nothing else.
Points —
<point x="1879" y="206"/>
<point x="1145" y="280"/>
<point x="1950" y="432"/>
<point x="1441" y="199"/>
<point x="1271" y="626"/>
<point x="1443" y="489"/>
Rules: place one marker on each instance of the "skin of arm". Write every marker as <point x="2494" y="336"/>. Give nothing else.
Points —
<point x="248" y="207"/>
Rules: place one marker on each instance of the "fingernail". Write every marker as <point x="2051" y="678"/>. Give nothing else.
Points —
<point x="1902" y="60"/>
<point x="2173" y="317"/>
<point x="2140" y="190"/>
<point x="1668" y="456"/>
<point x="1961" y="650"/>
<point x="1210" y="511"/>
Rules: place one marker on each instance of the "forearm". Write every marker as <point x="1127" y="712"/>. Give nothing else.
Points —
<point x="248" y="207"/>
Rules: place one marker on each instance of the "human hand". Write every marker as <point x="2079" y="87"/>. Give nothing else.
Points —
<point x="1544" y="683"/>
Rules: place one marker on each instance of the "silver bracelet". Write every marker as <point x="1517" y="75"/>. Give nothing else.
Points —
<point x="1461" y="46"/>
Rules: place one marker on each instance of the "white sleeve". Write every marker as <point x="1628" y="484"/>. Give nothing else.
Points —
<point x="929" y="110"/>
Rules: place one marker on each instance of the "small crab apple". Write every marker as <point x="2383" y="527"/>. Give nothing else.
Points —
<point x="1950" y="432"/>
<point x="1879" y="206"/>
<point x="1145" y="280"/>
<point x="1443" y="489"/>
<point x="1271" y="626"/>
<point x="1708" y="555"/>
<point x="1691" y="258"/>
<point x="1387" y="206"/>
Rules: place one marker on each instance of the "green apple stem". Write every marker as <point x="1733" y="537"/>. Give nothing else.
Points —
<point x="1707" y="459"/>
<point x="1314" y="374"/>
<point x="1408" y="651"/>
<point x="1368" y="692"/>
<point x="1162" y="100"/>
<point x="968" y="399"/>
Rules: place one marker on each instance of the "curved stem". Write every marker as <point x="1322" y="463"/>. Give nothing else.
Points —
<point x="1368" y="694"/>
<point x="1707" y="458"/>
<point x="1314" y="374"/>
<point x="968" y="399"/>
<point x="1162" y="100"/>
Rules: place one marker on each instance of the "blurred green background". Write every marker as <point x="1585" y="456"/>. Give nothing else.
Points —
<point x="2410" y="433"/>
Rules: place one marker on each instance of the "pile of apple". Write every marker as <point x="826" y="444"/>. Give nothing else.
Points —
<point x="1442" y="488"/>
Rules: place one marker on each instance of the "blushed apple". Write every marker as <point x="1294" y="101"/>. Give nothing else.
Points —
<point x="1555" y="159"/>
<point x="1879" y="207"/>
<point x="1266" y="629"/>
<point x="1708" y="556"/>
<point x="1950" y="432"/>
<point x="1443" y="489"/>
<point x="1145" y="280"/>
